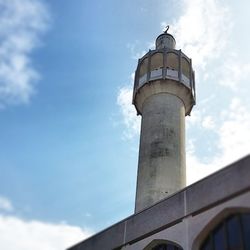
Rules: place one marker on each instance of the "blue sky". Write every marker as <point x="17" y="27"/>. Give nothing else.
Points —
<point x="69" y="134"/>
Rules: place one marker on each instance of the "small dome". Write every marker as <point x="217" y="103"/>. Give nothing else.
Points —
<point x="165" y="40"/>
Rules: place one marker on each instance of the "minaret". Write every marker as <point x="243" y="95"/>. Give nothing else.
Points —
<point x="164" y="93"/>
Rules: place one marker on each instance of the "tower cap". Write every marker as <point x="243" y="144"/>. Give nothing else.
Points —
<point x="165" y="40"/>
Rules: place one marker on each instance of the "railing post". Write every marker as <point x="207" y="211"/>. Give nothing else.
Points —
<point x="149" y="66"/>
<point x="179" y="71"/>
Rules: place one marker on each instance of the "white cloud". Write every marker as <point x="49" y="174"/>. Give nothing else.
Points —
<point x="194" y="119"/>
<point x="5" y="204"/>
<point x="203" y="30"/>
<point x="234" y="72"/>
<point x="21" y="24"/>
<point x="205" y="39"/>
<point x="233" y="142"/>
<point x="130" y="118"/>
<point x="208" y="122"/>
<point x="16" y="233"/>
<point x="234" y="132"/>
<point x="135" y="53"/>
<point x="196" y="169"/>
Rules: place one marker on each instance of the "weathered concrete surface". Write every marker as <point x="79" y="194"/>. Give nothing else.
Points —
<point x="164" y="86"/>
<point x="161" y="169"/>
<point x="218" y="186"/>
<point x="182" y="216"/>
<point x="164" y="92"/>
<point x="191" y="231"/>
<point x="161" y="216"/>
<point x="165" y="41"/>
<point x="105" y="240"/>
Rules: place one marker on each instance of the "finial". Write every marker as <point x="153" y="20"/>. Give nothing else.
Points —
<point x="167" y="28"/>
<point x="165" y="40"/>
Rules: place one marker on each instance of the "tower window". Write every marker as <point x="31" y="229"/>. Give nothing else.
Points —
<point x="231" y="234"/>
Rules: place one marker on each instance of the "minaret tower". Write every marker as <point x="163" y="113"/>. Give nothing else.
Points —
<point x="164" y="93"/>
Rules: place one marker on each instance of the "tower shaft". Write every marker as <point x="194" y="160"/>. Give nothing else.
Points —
<point x="162" y="149"/>
<point x="164" y="93"/>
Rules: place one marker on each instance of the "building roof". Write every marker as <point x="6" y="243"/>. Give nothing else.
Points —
<point x="216" y="188"/>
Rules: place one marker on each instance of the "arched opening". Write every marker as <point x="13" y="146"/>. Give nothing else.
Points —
<point x="156" y="61"/>
<point x="166" y="247"/>
<point x="185" y="67"/>
<point x="232" y="233"/>
<point x="143" y="67"/>
<point x="159" y="244"/>
<point x="172" y="61"/>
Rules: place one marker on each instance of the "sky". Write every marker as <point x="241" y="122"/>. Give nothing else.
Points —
<point x="68" y="132"/>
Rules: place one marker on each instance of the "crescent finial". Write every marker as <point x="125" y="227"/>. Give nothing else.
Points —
<point x="167" y="28"/>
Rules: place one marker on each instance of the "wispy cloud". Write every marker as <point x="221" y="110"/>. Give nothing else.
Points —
<point x="208" y="122"/>
<point x="233" y="142"/>
<point x="130" y="118"/>
<point x="21" y="24"/>
<point x="134" y="50"/>
<point x="206" y="40"/>
<point x="16" y="233"/>
<point x="203" y="30"/>
<point x="234" y="133"/>
<point x="234" y="72"/>
<point x="5" y="204"/>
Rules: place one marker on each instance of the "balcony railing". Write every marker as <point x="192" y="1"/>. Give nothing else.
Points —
<point x="164" y="71"/>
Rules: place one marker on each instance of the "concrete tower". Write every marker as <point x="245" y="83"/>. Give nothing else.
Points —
<point x="164" y="93"/>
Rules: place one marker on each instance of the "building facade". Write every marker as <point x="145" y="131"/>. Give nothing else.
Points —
<point x="211" y="214"/>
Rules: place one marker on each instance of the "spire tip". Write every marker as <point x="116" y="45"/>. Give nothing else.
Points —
<point x="167" y="28"/>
